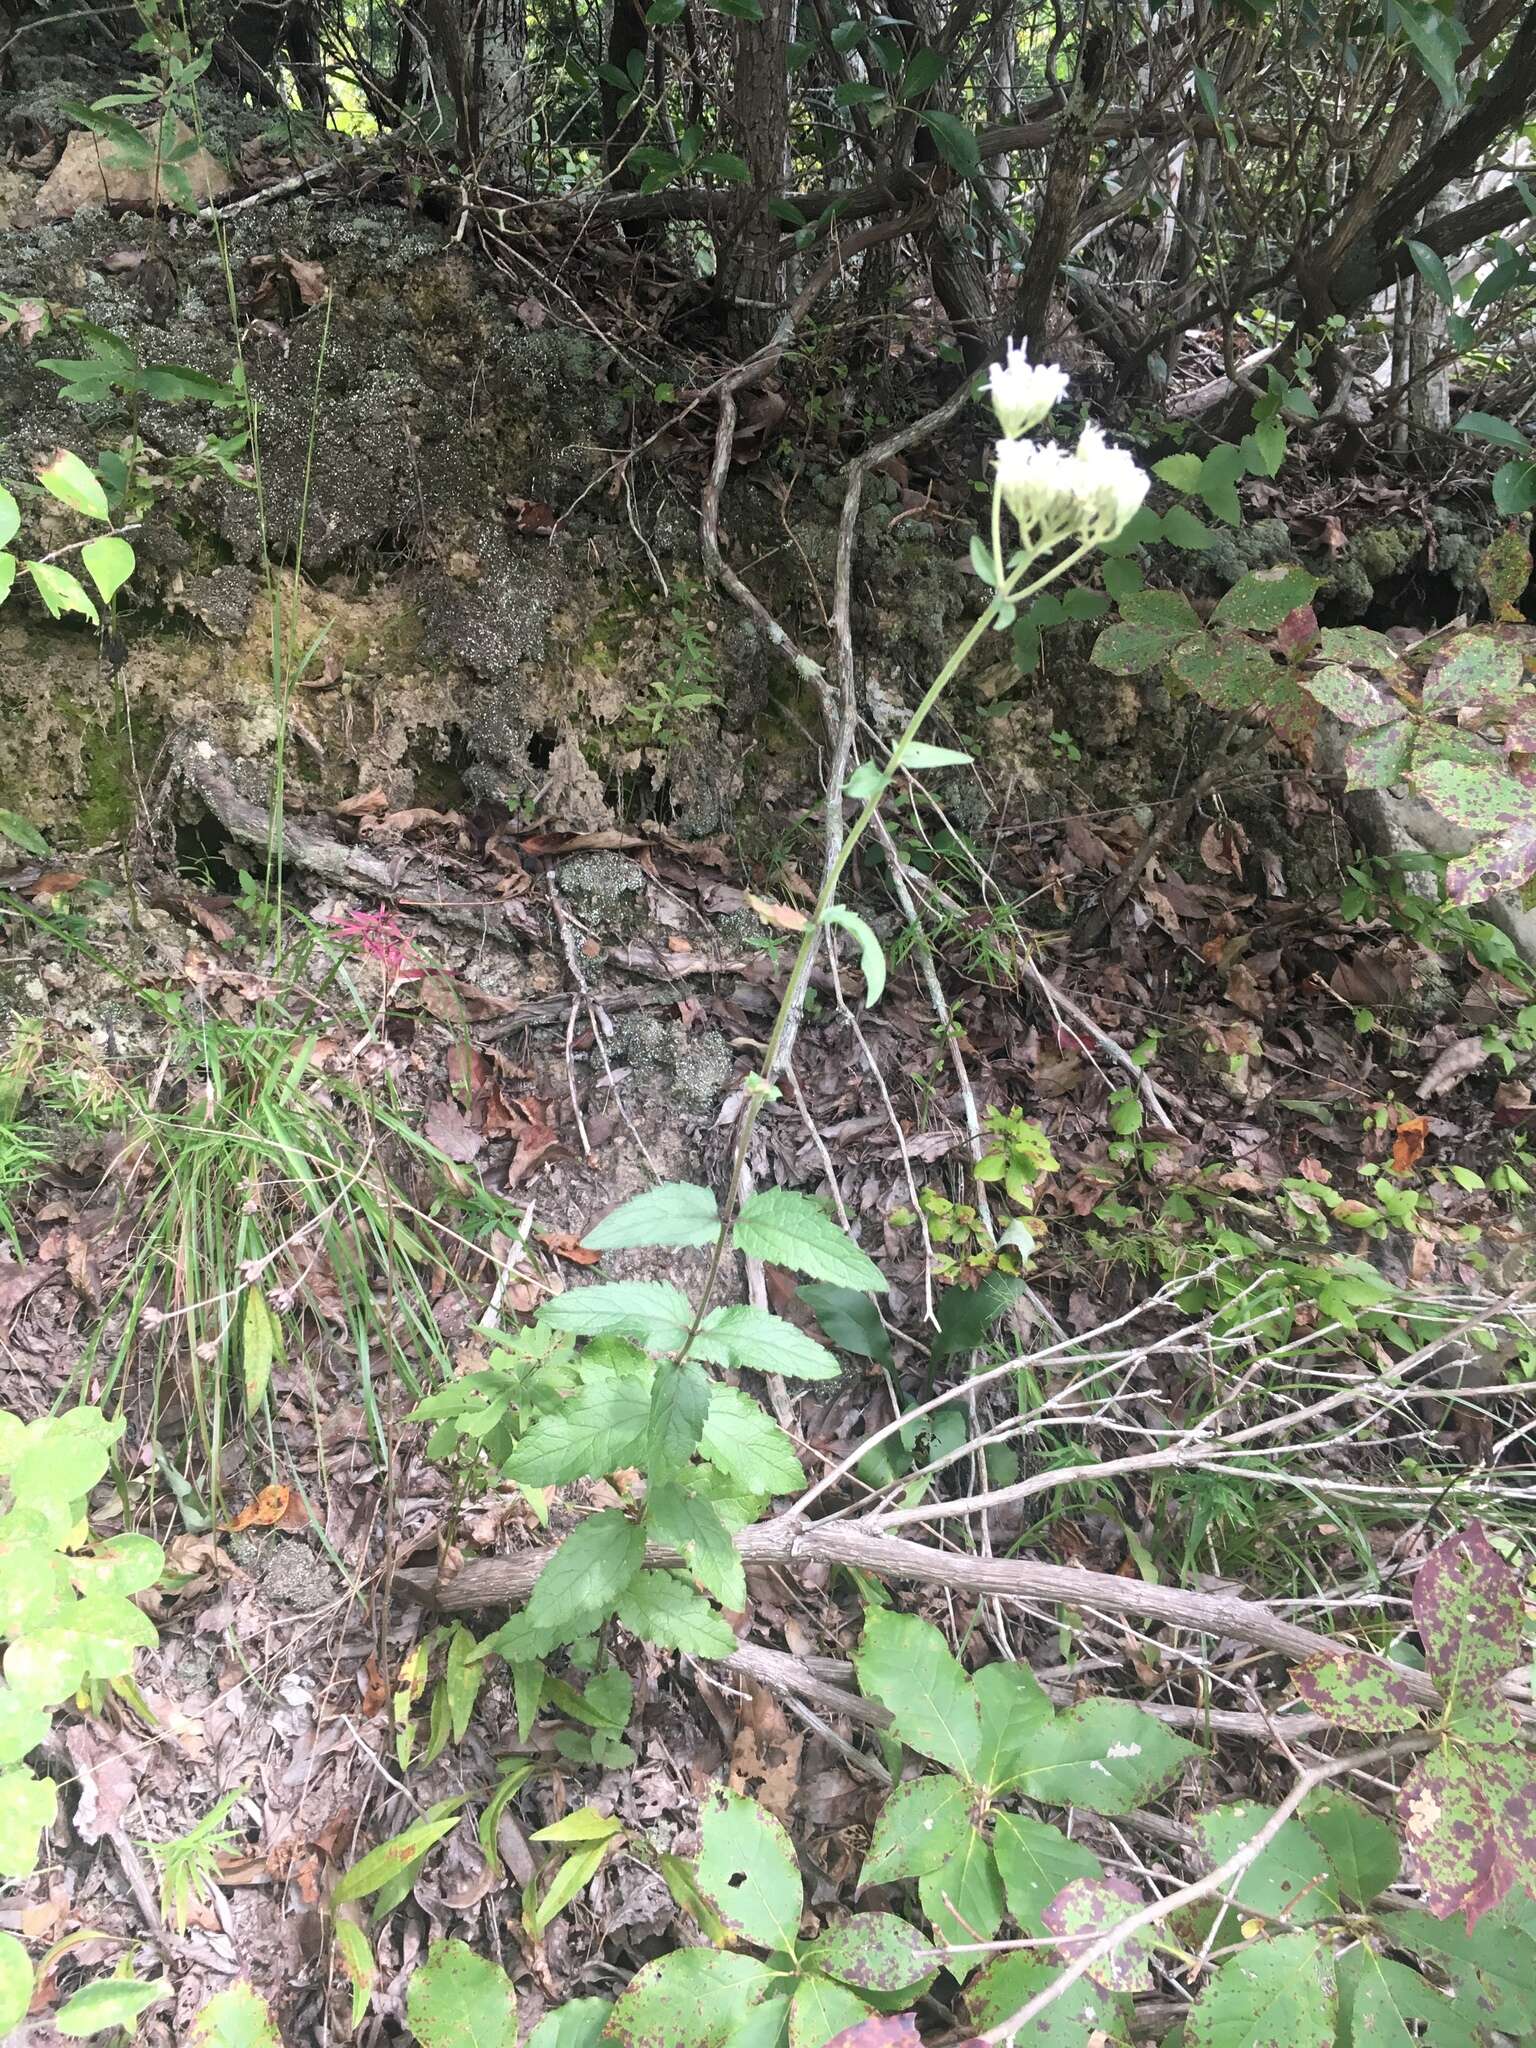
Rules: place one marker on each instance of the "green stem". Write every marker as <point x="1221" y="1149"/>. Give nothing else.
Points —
<point x="760" y="1089"/>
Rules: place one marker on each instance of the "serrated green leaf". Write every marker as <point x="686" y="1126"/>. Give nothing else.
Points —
<point x="755" y="1340"/>
<point x="748" y="1446"/>
<point x="1361" y="1849"/>
<point x="789" y="1229"/>
<point x="906" y="1664"/>
<point x="661" y="1607"/>
<point x="922" y="1825"/>
<point x="601" y="1428"/>
<point x="680" y="1396"/>
<point x="1183" y="530"/>
<point x="583" y="1580"/>
<point x="456" y="1999"/>
<point x="849" y="1319"/>
<point x="963" y="1900"/>
<point x="1179" y="472"/>
<point x="579" y="2023"/>
<point x="677" y="1213"/>
<point x="685" y="1522"/>
<point x="653" y="1312"/>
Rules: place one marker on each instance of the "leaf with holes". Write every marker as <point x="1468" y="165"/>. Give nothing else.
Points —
<point x="921" y="1826"/>
<point x="1035" y="1861"/>
<point x="581" y="1584"/>
<point x="1082" y="1914"/>
<point x="747" y="1871"/>
<point x="963" y="1900"/>
<point x="1013" y="1710"/>
<point x="1260" y="600"/>
<point x="1469" y="1827"/>
<point x="872" y="1952"/>
<point x="694" y="1998"/>
<point x="1356" y="1690"/>
<point x="1352" y="698"/>
<point x="1271" y="1994"/>
<point x="1377" y="760"/>
<point x="1106" y="1755"/>
<point x="906" y="1664"/>
<point x="789" y="1229"/>
<point x="676" y="1213"/>
<point x="1361" y="1849"/>
<point x="1289" y="1880"/>
<point x="1478" y="672"/>
<point x="1384" y="2004"/>
<point x="1228" y="671"/>
<point x="1470" y="1612"/>
<point x="754" y="1338"/>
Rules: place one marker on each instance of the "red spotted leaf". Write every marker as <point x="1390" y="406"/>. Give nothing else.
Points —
<point x="1520" y="730"/>
<point x="1297" y="632"/>
<point x="882" y="2030"/>
<point x="1359" y="1691"/>
<point x="1264" y="599"/>
<point x="1360" y="647"/>
<point x="1082" y="1913"/>
<point x="1470" y="1613"/>
<point x="1499" y="811"/>
<point x="1479" y="672"/>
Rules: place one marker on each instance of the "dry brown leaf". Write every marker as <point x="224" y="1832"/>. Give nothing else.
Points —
<point x="568" y="1247"/>
<point x="765" y="1755"/>
<point x="782" y="916"/>
<point x="448" y="1129"/>
<point x="105" y="1780"/>
<point x="1408" y="1143"/>
<point x="309" y="278"/>
<point x="1464" y="1057"/>
<point x="363" y="806"/>
<point x="269" y="1508"/>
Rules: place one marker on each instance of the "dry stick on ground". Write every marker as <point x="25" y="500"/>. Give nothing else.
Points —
<point x="1221" y="1879"/>
<point x="496" y="1582"/>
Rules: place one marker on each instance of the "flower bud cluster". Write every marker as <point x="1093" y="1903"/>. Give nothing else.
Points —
<point x="1088" y="494"/>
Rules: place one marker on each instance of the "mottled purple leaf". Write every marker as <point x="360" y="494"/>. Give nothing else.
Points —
<point x="1504" y="571"/>
<point x="1492" y="868"/>
<point x="1297" y="632"/>
<point x="1359" y="1691"/>
<point x="872" y="1952"/>
<point x="1376" y="760"/>
<point x="1126" y="649"/>
<point x="1476" y="795"/>
<point x="1352" y="698"/>
<point x="1169" y="610"/>
<point x="1470" y="1613"/>
<point x="1360" y="647"/>
<point x="1520" y="730"/>
<point x="1085" y="1910"/>
<point x="1466" y="1821"/>
<point x="1264" y="598"/>
<point x="883" y="2030"/>
<point x="1479" y="672"/>
<point x="1225" y="670"/>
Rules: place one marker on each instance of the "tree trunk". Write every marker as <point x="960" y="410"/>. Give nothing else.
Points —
<point x="503" y="102"/>
<point x="753" y="284"/>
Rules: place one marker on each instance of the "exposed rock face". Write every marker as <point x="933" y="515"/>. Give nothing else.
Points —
<point x="93" y="172"/>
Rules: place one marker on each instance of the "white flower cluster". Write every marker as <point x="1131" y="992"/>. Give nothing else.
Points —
<point x="1089" y="493"/>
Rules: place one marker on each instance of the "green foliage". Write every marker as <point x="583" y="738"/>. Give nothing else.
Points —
<point x="237" y="2018"/>
<point x="107" y="558"/>
<point x="66" y="1608"/>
